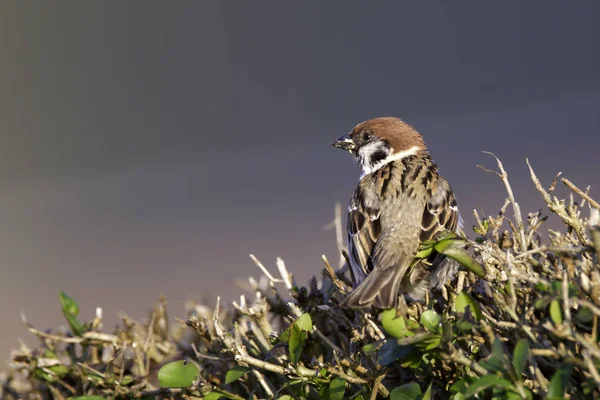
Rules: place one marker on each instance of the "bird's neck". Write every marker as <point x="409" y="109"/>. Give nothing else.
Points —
<point x="371" y="162"/>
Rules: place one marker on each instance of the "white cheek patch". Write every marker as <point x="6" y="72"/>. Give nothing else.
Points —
<point x="367" y="151"/>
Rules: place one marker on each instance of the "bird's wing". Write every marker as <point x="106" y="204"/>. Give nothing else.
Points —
<point x="364" y="228"/>
<point x="440" y="215"/>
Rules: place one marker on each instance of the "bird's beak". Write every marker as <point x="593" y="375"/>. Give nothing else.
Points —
<point x="345" y="143"/>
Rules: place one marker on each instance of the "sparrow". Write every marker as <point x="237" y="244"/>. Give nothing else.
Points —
<point x="400" y="202"/>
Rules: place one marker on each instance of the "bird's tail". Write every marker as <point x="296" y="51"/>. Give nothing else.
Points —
<point x="379" y="289"/>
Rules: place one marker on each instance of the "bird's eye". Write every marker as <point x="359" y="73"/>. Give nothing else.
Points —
<point x="366" y="136"/>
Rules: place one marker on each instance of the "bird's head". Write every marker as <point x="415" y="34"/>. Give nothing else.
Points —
<point x="379" y="141"/>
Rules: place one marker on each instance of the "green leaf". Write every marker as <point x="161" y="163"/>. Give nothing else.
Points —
<point x="584" y="315"/>
<point x="394" y="325"/>
<point x="427" y="394"/>
<point x="177" y="374"/>
<point x="53" y="373"/>
<point x="464" y="258"/>
<point x="571" y="288"/>
<point x="497" y="348"/>
<point x="285" y="397"/>
<point x="370" y="347"/>
<point x="497" y="361"/>
<point x="431" y="320"/>
<point x="542" y="302"/>
<point x="212" y="396"/>
<point x="235" y="373"/>
<point x="556" y="312"/>
<point x="296" y="343"/>
<point x="337" y="389"/>
<point x="289" y="384"/>
<point x="453" y="247"/>
<point x="459" y="386"/>
<point x="463" y="325"/>
<point x="487" y="382"/>
<point x="70" y="310"/>
<point x="68" y="304"/>
<point x="285" y="335"/>
<point x="493" y="364"/>
<point x="411" y="324"/>
<point x="56" y="371"/>
<point x="559" y="381"/>
<point x="520" y="356"/>
<point x="508" y="395"/>
<point x="428" y="342"/>
<point x="463" y="301"/>
<point x="424" y="252"/>
<point x="408" y="391"/>
<point x="304" y="322"/>
<point x="295" y="335"/>
<point x="413" y="359"/>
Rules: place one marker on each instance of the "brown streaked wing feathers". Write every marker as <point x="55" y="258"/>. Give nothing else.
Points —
<point x="436" y="218"/>
<point x="364" y="229"/>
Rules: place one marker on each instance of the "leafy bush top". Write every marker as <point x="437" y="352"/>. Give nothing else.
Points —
<point x="520" y="321"/>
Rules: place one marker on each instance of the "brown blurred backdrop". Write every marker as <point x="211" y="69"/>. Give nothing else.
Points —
<point x="147" y="147"/>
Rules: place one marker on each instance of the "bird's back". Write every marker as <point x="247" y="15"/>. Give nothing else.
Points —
<point x="384" y="219"/>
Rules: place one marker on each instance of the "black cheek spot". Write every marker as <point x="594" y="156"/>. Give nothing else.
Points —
<point x="378" y="156"/>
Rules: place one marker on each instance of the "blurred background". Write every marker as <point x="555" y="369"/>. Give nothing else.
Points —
<point x="147" y="147"/>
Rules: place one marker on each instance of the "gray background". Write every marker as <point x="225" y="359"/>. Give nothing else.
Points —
<point x="148" y="147"/>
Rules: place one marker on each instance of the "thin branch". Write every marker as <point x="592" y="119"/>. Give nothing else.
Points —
<point x="559" y="208"/>
<point x="265" y="270"/>
<point x="517" y="210"/>
<point x="581" y="193"/>
<point x="376" y="387"/>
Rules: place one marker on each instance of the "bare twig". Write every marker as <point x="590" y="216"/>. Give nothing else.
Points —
<point x="581" y="193"/>
<point x="517" y="210"/>
<point x="265" y="270"/>
<point x="376" y="387"/>
<point x="559" y="209"/>
<point x="339" y="236"/>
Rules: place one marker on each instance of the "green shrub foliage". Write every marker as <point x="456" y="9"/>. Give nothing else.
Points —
<point x="520" y="321"/>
